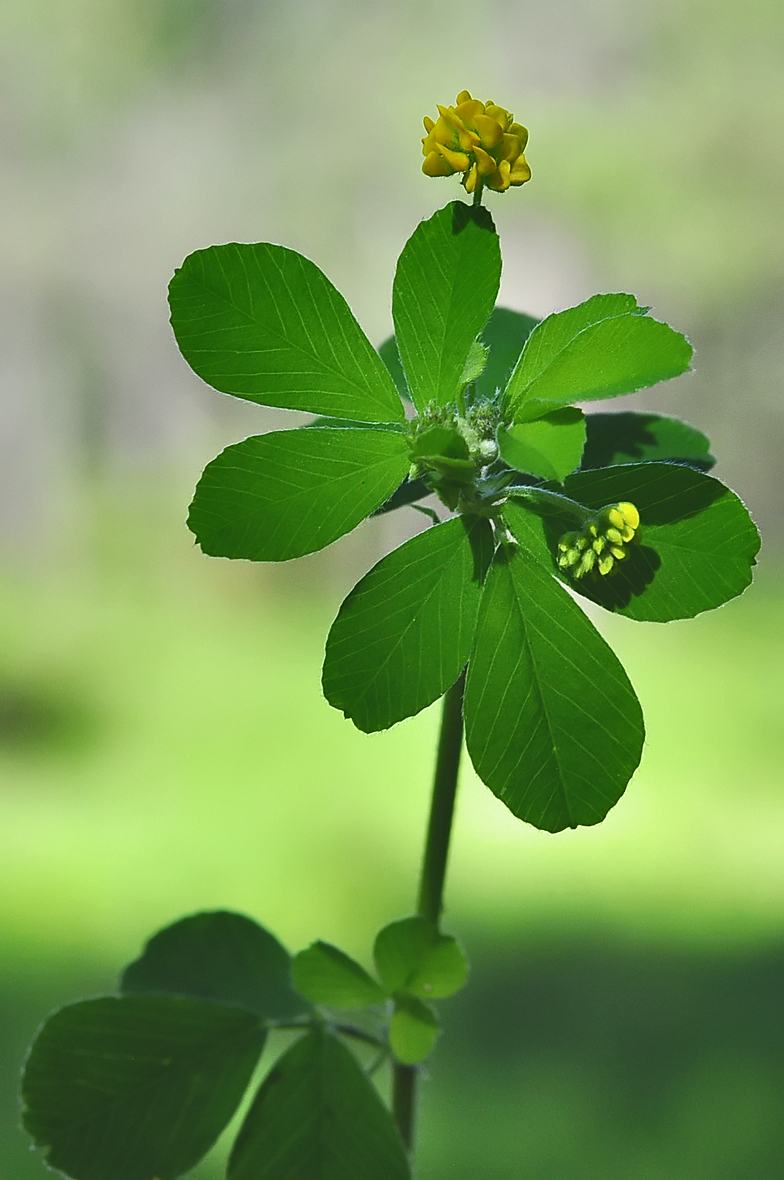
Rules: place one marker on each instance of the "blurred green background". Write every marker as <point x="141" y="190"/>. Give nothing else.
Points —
<point x="163" y="742"/>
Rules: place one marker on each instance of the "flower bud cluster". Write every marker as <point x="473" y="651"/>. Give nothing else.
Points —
<point x="601" y="543"/>
<point x="479" y="139"/>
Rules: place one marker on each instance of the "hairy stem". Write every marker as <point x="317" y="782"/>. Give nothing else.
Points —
<point x="431" y="885"/>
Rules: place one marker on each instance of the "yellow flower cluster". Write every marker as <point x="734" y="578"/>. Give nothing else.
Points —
<point x="479" y="139"/>
<point x="601" y="543"/>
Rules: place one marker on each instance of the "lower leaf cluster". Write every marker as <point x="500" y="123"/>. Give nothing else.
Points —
<point x="138" y="1086"/>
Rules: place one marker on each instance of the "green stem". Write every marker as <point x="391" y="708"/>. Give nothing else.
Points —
<point x="431" y="886"/>
<point x="478" y="195"/>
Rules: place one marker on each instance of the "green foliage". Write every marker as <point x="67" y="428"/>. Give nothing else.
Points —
<point x="552" y="723"/>
<point x="549" y="447"/>
<point x="135" y="1087"/>
<point x="414" y="958"/>
<point x="317" y="1117"/>
<point x="218" y="956"/>
<point x="326" y="975"/>
<point x="602" y="348"/>
<point x="404" y="633"/>
<point x="638" y="438"/>
<point x="281" y="495"/>
<point x="413" y="1030"/>
<point x="696" y="545"/>
<point x="263" y="323"/>
<point x="445" y="286"/>
<point x="615" y="506"/>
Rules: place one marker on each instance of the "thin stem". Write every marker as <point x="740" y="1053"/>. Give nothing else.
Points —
<point x="478" y="194"/>
<point x="431" y="886"/>
<point x="442" y="804"/>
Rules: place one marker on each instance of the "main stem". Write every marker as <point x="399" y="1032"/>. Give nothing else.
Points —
<point x="431" y="884"/>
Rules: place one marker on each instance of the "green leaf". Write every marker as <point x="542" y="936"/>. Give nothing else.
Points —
<point x="280" y="495"/>
<point x="388" y="351"/>
<point x="413" y="1030"/>
<point x="326" y="975"/>
<point x="551" y="447"/>
<point x="408" y="492"/>
<point x="413" y="957"/>
<point x="505" y="333"/>
<point x="136" y="1087"/>
<point x="445" y="286"/>
<point x="593" y="351"/>
<point x="475" y="363"/>
<point x="217" y="956"/>
<point x="634" y="438"/>
<point x="696" y="545"/>
<point x="552" y="723"/>
<point x="263" y="323"/>
<point x="403" y="635"/>
<point x="317" y="1116"/>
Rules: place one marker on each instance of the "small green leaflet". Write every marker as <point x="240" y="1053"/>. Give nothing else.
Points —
<point x="136" y="1087"/>
<point x="445" y="287"/>
<point x="553" y="726"/>
<point x="600" y="349"/>
<point x="403" y="634"/>
<point x="643" y="438"/>
<point x="414" y="958"/>
<point x="326" y="975"/>
<point x="317" y="1116"/>
<point x="505" y="333"/>
<point x="551" y="447"/>
<point x="281" y="495"/>
<point x="695" y="549"/>
<point x="217" y="956"/>
<point x="413" y="1030"/>
<point x="263" y="323"/>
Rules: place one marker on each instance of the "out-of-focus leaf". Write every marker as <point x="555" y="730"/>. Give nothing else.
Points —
<point x="505" y="333"/>
<point x="553" y="726"/>
<point x="263" y="323"/>
<point x="280" y="495"/>
<point x="415" y="958"/>
<point x="388" y="351"/>
<point x="217" y="956"/>
<point x="403" y="635"/>
<point x="326" y="975"/>
<point x="445" y="286"/>
<point x="695" y="548"/>
<point x="600" y="349"/>
<point x="318" y="1116"/>
<point x="136" y="1087"/>
<point x="638" y="438"/>
<point x="413" y="1030"/>
<point x="550" y="447"/>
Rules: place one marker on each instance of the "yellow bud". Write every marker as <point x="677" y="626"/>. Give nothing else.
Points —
<point x="490" y="131"/>
<point x="471" y="179"/>
<point x="627" y="533"/>
<point x="482" y="142"/>
<point x="629" y="513"/>
<point x="605" y="564"/>
<point x="617" y="552"/>
<point x="615" y="517"/>
<point x="458" y="160"/>
<point x="593" y="529"/>
<point x="587" y="563"/>
<point x="520" y="171"/>
<point x="598" y="545"/>
<point x="613" y="536"/>
<point x="436" y="165"/>
<point x="500" y="179"/>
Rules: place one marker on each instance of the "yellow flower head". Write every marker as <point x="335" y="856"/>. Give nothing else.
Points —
<point x="479" y="139"/>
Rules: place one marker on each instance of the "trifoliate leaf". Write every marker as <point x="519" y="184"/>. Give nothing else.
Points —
<point x="413" y="957"/>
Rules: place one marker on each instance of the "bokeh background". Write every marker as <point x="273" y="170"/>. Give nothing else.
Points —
<point x="163" y="743"/>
